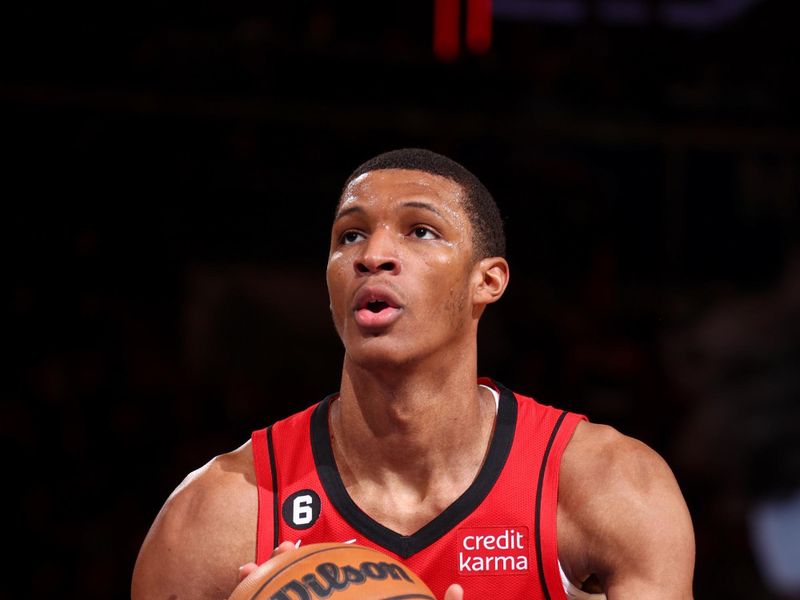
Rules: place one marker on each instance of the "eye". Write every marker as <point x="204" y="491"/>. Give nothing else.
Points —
<point x="423" y="233"/>
<point x="351" y="237"/>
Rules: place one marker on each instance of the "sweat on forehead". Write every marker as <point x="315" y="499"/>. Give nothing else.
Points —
<point x="401" y="183"/>
<point x="487" y="226"/>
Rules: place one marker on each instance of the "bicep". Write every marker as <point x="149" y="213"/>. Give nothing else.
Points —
<point x="649" y="549"/>
<point x="176" y="562"/>
<point x="622" y="517"/>
<point x="204" y="532"/>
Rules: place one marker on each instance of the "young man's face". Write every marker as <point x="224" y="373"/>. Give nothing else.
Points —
<point x="400" y="268"/>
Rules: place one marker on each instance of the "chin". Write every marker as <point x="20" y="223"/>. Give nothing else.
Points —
<point x="377" y="352"/>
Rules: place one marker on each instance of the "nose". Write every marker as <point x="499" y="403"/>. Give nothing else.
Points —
<point x="379" y="255"/>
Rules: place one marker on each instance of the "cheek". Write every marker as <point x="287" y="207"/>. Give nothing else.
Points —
<point x="335" y="270"/>
<point x="450" y="281"/>
<point x="443" y="264"/>
<point x="456" y="304"/>
<point x="335" y="280"/>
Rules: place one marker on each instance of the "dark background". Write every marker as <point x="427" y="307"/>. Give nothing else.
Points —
<point x="172" y="169"/>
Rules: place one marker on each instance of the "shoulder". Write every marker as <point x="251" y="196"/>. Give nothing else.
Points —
<point x="622" y="517"/>
<point x="203" y="533"/>
<point x="602" y="456"/>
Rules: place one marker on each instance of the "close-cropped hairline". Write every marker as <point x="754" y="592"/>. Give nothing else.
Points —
<point x="360" y="174"/>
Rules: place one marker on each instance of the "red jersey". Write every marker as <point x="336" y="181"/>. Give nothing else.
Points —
<point x="498" y="539"/>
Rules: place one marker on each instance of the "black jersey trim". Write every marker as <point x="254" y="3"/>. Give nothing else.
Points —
<point x="538" y="516"/>
<point x="275" y="496"/>
<point x="407" y="545"/>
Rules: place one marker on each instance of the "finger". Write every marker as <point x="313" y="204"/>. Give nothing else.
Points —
<point x="246" y="569"/>
<point x="454" y="592"/>
<point x="283" y="547"/>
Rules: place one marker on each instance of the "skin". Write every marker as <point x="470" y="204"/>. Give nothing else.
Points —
<point x="409" y="402"/>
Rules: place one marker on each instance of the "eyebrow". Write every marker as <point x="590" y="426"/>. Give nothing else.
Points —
<point x="423" y="206"/>
<point x="409" y="204"/>
<point x="348" y="211"/>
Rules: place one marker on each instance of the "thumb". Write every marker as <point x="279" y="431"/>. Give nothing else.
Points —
<point x="454" y="592"/>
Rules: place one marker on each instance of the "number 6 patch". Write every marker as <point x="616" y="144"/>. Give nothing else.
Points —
<point x="301" y="509"/>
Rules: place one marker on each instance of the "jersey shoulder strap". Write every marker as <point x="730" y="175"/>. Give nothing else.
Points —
<point x="288" y="434"/>
<point x="558" y="426"/>
<point x="267" y="483"/>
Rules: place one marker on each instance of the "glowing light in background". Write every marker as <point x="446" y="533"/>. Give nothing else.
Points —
<point x="700" y="14"/>
<point x="447" y="27"/>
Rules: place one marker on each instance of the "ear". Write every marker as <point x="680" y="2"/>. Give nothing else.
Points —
<point x="490" y="278"/>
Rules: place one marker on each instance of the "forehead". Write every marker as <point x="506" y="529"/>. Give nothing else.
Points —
<point x="393" y="185"/>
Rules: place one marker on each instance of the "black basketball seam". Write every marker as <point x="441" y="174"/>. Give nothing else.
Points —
<point x="404" y="596"/>
<point x="294" y="562"/>
<point x="538" y="513"/>
<point x="273" y="467"/>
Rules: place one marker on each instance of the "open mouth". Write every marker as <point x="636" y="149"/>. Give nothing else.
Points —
<point x="376" y="309"/>
<point x="376" y="306"/>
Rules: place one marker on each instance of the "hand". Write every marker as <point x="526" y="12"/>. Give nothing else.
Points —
<point x="454" y="592"/>
<point x="248" y="568"/>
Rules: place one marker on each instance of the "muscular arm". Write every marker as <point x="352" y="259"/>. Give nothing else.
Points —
<point x="621" y="517"/>
<point x="204" y="532"/>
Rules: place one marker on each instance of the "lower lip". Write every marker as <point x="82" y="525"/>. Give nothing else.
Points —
<point x="374" y="320"/>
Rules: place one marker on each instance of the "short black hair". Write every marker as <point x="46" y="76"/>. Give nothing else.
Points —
<point x="488" y="237"/>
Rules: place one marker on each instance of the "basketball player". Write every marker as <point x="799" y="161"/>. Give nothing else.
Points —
<point x="482" y="492"/>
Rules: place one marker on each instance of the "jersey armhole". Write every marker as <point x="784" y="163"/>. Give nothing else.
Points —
<point x="551" y="571"/>
<point x="266" y="480"/>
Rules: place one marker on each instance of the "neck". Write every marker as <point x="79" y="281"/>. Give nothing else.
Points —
<point x="414" y="429"/>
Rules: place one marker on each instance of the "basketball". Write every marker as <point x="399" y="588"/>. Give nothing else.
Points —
<point x="337" y="571"/>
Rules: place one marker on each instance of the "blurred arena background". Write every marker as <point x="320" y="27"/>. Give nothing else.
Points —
<point x="172" y="168"/>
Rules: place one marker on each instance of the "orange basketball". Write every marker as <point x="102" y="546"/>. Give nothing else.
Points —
<point x="336" y="571"/>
